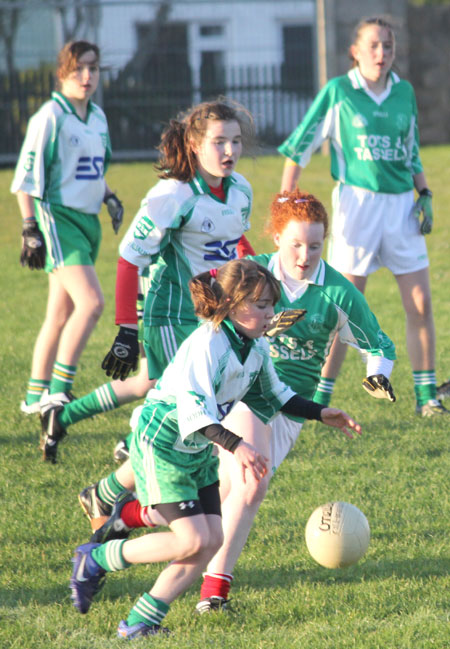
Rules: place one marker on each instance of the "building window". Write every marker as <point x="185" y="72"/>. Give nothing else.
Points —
<point x="212" y="74"/>
<point x="211" y="30"/>
<point x="297" y="70"/>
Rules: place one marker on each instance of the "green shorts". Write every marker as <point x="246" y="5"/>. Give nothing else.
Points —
<point x="161" y="345"/>
<point x="163" y="474"/>
<point x="72" y="238"/>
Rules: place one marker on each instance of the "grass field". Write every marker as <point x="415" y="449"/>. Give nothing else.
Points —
<point x="397" y="597"/>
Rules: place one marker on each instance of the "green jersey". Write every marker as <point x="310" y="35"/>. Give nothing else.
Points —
<point x="333" y="305"/>
<point x="374" y="139"/>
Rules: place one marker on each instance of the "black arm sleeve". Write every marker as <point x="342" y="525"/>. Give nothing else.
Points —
<point x="219" y="435"/>
<point x="301" y="407"/>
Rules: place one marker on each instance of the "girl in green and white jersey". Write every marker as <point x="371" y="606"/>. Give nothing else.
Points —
<point x="370" y="118"/>
<point x="60" y="186"/>
<point x="223" y="361"/>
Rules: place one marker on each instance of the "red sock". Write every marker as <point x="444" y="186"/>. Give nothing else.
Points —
<point x="131" y="514"/>
<point x="215" y="585"/>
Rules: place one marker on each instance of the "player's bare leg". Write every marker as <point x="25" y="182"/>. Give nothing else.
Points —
<point x="420" y="334"/>
<point x="82" y="285"/>
<point x="58" y="311"/>
<point x="240" y="502"/>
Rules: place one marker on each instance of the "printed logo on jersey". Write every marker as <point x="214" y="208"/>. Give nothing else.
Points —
<point x="292" y="349"/>
<point x="221" y="250"/>
<point x="89" y="168"/>
<point x="74" y="141"/>
<point x="224" y="408"/>
<point x="315" y="322"/>
<point x="207" y="225"/>
<point x="359" y="121"/>
<point x="380" y="113"/>
<point x="199" y="399"/>
<point x="379" y="147"/>
<point x="143" y="228"/>
<point x="29" y="161"/>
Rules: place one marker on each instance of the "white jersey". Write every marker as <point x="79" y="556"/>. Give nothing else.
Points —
<point x="207" y="377"/>
<point x="183" y="229"/>
<point x="63" y="158"/>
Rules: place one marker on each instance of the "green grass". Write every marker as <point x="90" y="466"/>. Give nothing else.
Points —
<point x="397" y="473"/>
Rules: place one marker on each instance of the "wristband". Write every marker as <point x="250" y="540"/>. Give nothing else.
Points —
<point x="426" y="192"/>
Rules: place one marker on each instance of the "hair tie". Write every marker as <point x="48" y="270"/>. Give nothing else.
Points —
<point x="213" y="272"/>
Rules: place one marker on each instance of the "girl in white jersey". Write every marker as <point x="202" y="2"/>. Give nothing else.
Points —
<point x="60" y="186"/>
<point x="370" y="118"/>
<point x="190" y="221"/>
<point x="224" y="361"/>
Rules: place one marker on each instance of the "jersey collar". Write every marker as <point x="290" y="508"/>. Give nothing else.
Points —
<point x="318" y="277"/>
<point x="359" y="83"/>
<point x="67" y="106"/>
<point x="241" y="345"/>
<point x="199" y="186"/>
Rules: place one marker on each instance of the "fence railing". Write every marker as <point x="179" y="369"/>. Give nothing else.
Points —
<point x="137" y="110"/>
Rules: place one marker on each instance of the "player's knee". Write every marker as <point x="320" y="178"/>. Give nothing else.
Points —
<point x="253" y="492"/>
<point x="192" y="543"/>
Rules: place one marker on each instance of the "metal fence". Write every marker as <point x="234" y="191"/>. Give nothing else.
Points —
<point x="137" y="112"/>
<point x="147" y="83"/>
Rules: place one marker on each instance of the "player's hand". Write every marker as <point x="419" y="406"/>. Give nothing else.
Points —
<point x="33" y="247"/>
<point x="340" y="419"/>
<point x="123" y="356"/>
<point x="115" y="210"/>
<point x="379" y="386"/>
<point x="250" y="459"/>
<point x="423" y="208"/>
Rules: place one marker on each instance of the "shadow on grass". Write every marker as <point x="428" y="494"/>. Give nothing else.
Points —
<point x="125" y="584"/>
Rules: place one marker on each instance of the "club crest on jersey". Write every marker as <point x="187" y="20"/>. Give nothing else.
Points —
<point x="359" y="121"/>
<point x="29" y="162"/>
<point x="74" y="141"/>
<point x="207" y="225"/>
<point x="401" y="121"/>
<point x="315" y="322"/>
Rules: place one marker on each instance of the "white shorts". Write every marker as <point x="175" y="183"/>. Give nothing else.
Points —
<point x="284" y="435"/>
<point x="372" y="230"/>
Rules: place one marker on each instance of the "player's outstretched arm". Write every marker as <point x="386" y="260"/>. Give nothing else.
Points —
<point x="340" y="419"/>
<point x="249" y="459"/>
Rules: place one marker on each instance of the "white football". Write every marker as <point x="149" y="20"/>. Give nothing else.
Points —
<point x="337" y="534"/>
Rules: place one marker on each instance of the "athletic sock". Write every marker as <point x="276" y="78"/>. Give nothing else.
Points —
<point x="149" y="610"/>
<point x="215" y="584"/>
<point x="100" y="400"/>
<point x="62" y="377"/>
<point x="35" y="389"/>
<point x="109" y="556"/>
<point x="109" y="488"/>
<point x="324" y="391"/>
<point x="424" y="386"/>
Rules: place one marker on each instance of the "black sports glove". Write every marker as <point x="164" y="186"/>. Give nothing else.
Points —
<point x="115" y="210"/>
<point x="33" y="247"/>
<point x="378" y="386"/>
<point x="123" y="356"/>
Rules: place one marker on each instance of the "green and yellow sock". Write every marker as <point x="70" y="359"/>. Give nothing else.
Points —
<point x="62" y="377"/>
<point x="35" y="389"/>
